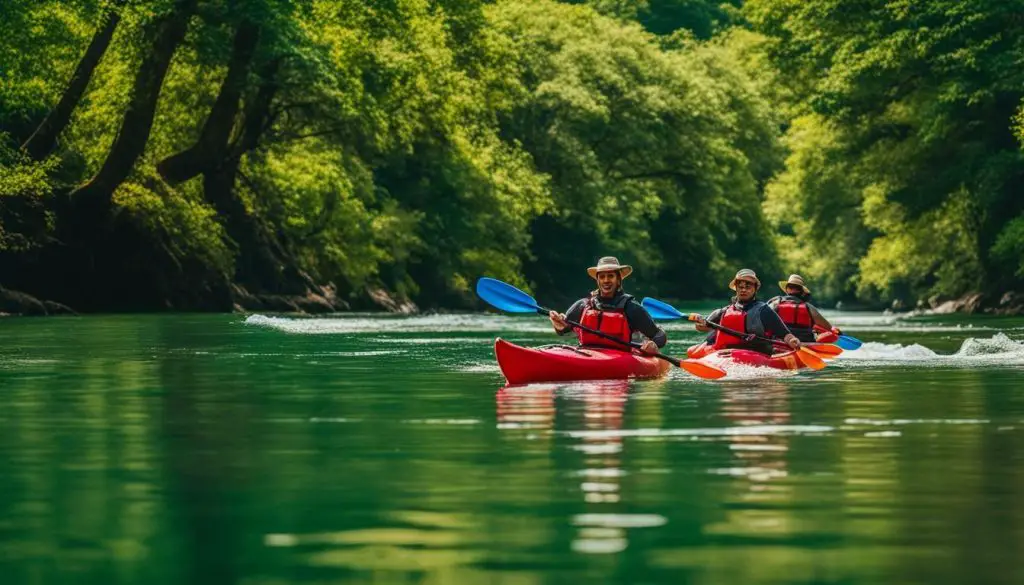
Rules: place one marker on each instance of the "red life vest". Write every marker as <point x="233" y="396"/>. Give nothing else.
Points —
<point x="794" y="313"/>
<point x="609" y="320"/>
<point x="734" y="318"/>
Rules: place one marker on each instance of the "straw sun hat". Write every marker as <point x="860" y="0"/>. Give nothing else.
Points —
<point x="747" y="275"/>
<point x="609" y="263"/>
<point x="796" y="280"/>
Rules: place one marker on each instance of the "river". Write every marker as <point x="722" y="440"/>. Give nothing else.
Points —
<point x="231" y="449"/>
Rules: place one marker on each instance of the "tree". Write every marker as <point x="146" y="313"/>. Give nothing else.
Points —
<point x="700" y="18"/>
<point x="922" y="96"/>
<point x="41" y="142"/>
<point x="163" y="36"/>
<point x="653" y="155"/>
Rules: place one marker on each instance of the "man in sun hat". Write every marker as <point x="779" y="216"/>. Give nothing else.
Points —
<point x="799" y="314"/>
<point x="611" y="311"/>
<point x="746" y="315"/>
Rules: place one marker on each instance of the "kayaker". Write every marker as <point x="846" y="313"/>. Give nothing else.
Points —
<point x="746" y="314"/>
<point x="797" y="312"/>
<point x="610" y="310"/>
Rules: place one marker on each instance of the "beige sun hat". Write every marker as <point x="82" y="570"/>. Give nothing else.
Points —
<point x="796" y="280"/>
<point x="609" y="263"/>
<point x="747" y="275"/>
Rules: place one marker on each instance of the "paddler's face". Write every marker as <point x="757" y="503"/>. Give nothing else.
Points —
<point x="794" y="290"/>
<point x="745" y="290"/>
<point x="608" y="282"/>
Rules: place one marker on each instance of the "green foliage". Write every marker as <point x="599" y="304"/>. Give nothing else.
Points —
<point x="920" y="98"/>
<point x="636" y="137"/>
<point x="1009" y="247"/>
<point x="326" y="204"/>
<point x="936" y="253"/>
<point x="29" y="79"/>
<point x="1018" y="124"/>
<point x="815" y="208"/>
<point x="24" y="184"/>
<point x="701" y="18"/>
<point x="875" y="148"/>
<point x="20" y="176"/>
<point x="187" y="227"/>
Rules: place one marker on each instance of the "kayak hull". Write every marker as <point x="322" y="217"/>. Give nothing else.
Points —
<point x="826" y="336"/>
<point x="780" y="361"/>
<point x="525" y="365"/>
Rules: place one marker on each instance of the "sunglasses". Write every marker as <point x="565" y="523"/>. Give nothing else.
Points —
<point x="744" y="284"/>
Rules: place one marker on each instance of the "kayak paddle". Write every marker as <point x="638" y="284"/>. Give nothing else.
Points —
<point x="506" y="297"/>
<point x="825" y="350"/>
<point x="844" y="341"/>
<point x="662" y="310"/>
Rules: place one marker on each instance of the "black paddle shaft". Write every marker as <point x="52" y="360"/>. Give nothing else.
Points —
<point x="743" y="336"/>
<point x="632" y="344"/>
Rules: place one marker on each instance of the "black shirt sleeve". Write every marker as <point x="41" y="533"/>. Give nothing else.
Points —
<point x="716" y="316"/>
<point x="640" y="320"/>
<point x="575" y="313"/>
<point x="773" y="324"/>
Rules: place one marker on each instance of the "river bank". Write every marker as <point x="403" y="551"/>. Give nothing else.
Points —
<point x="325" y="301"/>
<point x="1008" y="303"/>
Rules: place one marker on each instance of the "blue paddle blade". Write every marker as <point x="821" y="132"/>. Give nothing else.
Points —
<point x="660" y="310"/>
<point x="847" y="342"/>
<point x="505" y="296"/>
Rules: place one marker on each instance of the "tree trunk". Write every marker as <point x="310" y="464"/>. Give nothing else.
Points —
<point x="212" y="145"/>
<point x="263" y="263"/>
<point x="166" y="34"/>
<point x="220" y="175"/>
<point x="41" y="142"/>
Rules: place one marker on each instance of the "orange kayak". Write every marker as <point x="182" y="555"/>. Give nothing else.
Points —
<point x="563" y="363"/>
<point x="780" y="361"/>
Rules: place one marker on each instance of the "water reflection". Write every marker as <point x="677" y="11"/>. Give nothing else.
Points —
<point x="200" y="450"/>
<point x="208" y="439"/>
<point x="759" y="457"/>
<point x="591" y="406"/>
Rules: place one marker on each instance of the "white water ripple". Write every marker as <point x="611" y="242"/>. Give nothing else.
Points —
<point x="998" y="350"/>
<point x="746" y="430"/>
<point x="376" y="323"/>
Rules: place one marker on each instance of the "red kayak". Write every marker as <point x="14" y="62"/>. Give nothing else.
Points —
<point x="786" y="360"/>
<point x="826" y="336"/>
<point x="780" y="361"/>
<point x="562" y="363"/>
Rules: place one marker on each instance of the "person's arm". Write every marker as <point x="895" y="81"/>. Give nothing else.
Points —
<point x="774" y="326"/>
<point x="558" y="321"/>
<point x="714" y="317"/>
<point x="640" y="320"/>
<point x="817" y="318"/>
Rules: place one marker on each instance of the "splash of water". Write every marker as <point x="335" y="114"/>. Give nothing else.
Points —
<point x="377" y="323"/>
<point x="999" y="349"/>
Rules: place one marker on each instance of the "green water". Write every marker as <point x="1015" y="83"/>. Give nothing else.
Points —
<point x="223" y="450"/>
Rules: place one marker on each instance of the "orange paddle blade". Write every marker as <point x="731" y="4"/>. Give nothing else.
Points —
<point x="701" y="369"/>
<point x="810" y="359"/>
<point x="825" y="350"/>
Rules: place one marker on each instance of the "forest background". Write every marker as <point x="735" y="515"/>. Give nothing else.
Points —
<point x="318" y="155"/>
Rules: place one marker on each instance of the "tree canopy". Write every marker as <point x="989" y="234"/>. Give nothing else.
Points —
<point x="202" y="153"/>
